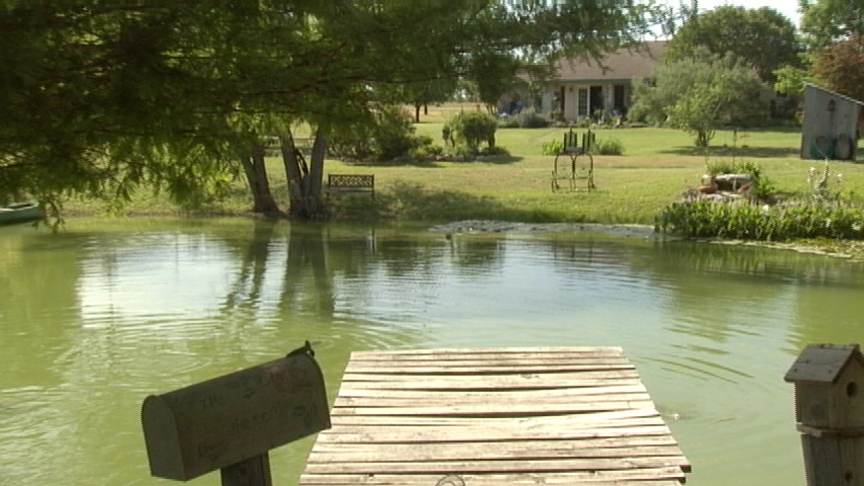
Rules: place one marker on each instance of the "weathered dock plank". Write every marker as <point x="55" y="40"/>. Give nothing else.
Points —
<point x="518" y="416"/>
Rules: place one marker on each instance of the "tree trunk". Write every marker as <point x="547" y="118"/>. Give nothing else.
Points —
<point x="256" y="174"/>
<point x="319" y="152"/>
<point x="304" y="183"/>
<point x="416" y="113"/>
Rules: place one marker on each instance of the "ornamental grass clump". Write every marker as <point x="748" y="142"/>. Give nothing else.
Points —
<point x="820" y="184"/>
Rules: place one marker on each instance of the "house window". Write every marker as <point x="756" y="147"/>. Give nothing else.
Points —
<point x="582" y="103"/>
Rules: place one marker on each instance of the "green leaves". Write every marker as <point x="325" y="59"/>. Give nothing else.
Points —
<point x="764" y="39"/>
<point x="473" y="128"/>
<point x="701" y="95"/>
<point x="743" y="220"/>
<point x="827" y="21"/>
<point x="105" y="98"/>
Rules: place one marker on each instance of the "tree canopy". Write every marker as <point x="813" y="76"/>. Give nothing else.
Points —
<point x="827" y="21"/>
<point x="701" y="95"/>
<point x="840" y="66"/>
<point x="102" y="98"/>
<point x="762" y="37"/>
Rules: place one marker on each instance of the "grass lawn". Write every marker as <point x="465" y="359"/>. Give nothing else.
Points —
<point x="657" y="166"/>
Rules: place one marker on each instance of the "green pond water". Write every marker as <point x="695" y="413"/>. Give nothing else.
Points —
<point x="97" y="317"/>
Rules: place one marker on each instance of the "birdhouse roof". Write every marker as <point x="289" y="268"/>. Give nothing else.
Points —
<point x="823" y="363"/>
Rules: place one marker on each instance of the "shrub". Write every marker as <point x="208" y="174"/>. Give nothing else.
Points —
<point x="610" y="146"/>
<point x="763" y="188"/>
<point x="493" y="151"/>
<point x="509" y="121"/>
<point x="734" y="167"/>
<point x="424" y="147"/>
<point x="388" y="134"/>
<point x="461" y="153"/>
<point x="812" y="219"/>
<point x="584" y="122"/>
<point x="552" y="147"/>
<point x="529" y="118"/>
<point x="353" y="142"/>
<point x="473" y="128"/>
<point x="393" y="133"/>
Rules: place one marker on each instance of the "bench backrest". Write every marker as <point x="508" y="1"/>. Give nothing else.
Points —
<point x="351" y="180"/>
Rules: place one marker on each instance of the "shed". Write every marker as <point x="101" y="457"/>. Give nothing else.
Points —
<point x="831" y="124"/>
<point x="828" y="379"/>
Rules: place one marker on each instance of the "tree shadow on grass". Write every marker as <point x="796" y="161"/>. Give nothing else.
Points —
<point x="737" y="152"/>
<point x="411" y="201"/>
<point x="434" y="164"/>
<point x="425" y="164"/>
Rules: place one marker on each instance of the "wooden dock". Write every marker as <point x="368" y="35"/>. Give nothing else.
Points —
<point x="493" y="417"/>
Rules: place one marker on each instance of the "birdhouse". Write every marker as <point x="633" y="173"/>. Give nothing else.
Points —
<point x="828" y="382"/>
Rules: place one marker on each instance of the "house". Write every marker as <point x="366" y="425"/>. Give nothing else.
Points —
<point x="582" y="88"/>
<point x="832" y="124"/>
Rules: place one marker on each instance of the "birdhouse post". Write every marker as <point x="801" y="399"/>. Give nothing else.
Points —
<point x="829" y="409"/>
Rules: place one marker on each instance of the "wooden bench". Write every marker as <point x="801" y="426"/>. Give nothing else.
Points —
<point x="231" y="422"/>
<point x="351" y="184"/>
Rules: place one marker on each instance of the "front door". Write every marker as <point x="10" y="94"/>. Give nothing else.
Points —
<point x="596" y="99"/>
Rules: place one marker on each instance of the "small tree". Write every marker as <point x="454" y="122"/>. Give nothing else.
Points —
<point x="700" y="95"/>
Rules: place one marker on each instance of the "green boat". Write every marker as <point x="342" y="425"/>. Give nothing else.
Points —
<point x="20" y="212"/>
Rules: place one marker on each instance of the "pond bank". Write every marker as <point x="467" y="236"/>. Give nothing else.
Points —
<point x="846" y="249"/>
<point x="485" y="226"/>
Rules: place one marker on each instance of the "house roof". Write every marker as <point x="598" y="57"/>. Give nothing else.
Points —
<point x="623" y="64"/>
<point x="822" y="363"/>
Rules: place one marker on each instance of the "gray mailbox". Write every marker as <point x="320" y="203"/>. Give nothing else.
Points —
<point x="222" y="422"/>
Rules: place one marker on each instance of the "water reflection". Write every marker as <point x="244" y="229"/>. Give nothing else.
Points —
<point x="98" y="317"/>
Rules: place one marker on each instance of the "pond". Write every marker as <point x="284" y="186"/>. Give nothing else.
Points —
<point x="97" y="317"/>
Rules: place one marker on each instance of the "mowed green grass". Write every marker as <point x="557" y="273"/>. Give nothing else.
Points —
<point x="657" y="166"/>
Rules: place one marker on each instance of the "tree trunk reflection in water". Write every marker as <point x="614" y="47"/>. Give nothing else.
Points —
<point x="246" y="290"/>
<point x="307" y="257"/>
